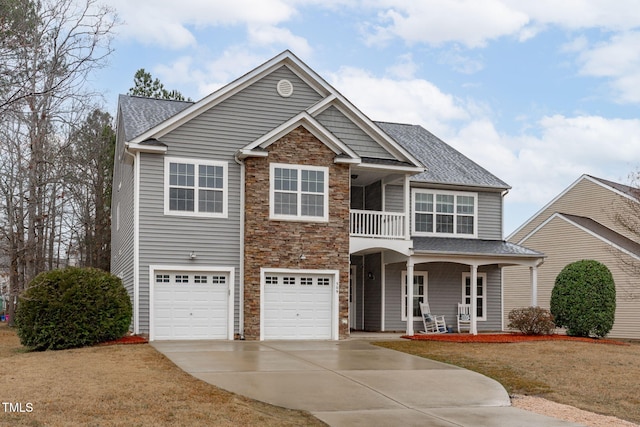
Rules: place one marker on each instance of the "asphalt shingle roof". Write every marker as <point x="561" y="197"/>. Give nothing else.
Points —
<point x="456" y="246"/>
<point x="141" y="114"/>
<point x="445" y="165"/>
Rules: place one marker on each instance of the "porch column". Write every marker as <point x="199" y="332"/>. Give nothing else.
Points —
<point x="410" y="296"/>
<point x="473" y="328"/>
<point x="407" y="207"/>
<point x="534" y="285"/>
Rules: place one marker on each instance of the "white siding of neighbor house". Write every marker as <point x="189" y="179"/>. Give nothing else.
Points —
<point x="350" y="134"/>
<point x="564" y="243"/>
<point x="444" y="283"/>
<point x="216" y="134"/>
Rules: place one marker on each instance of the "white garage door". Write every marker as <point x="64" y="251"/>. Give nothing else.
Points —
<point x="190" y="305"/>
<point x="297" y="306"/>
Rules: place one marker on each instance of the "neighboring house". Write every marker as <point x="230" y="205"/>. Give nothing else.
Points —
<point x="275" y="209"/>
<point x="580" y="223"/>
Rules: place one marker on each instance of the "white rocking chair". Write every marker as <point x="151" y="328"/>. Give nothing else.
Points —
<point x="464" y="316"/>
<point x="433" y="324"/>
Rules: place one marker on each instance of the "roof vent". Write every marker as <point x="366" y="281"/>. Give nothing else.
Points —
<point x="285" y="88"/>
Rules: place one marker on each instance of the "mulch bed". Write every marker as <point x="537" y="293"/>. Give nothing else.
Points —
<point x="506" y="338"/>
<point x="129" y="339"/>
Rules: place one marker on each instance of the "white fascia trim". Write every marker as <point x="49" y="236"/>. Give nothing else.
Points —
<point x="186" y="267"/>
<point x="349" y="161"/>
<point x="410" y="169"/>
<point x="136" y="245"/>
<point x="313" y="126"/>
<point x="365" y="124"/>
<point x="244" y="153"/>
<point x="143" y="148"/>
<point x="284" y="58"/>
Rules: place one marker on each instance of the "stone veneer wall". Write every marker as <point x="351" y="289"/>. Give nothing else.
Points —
<point x="278" y="244"/>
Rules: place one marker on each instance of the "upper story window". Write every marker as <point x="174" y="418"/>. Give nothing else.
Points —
<point x="195" y="187"/>
<point x="444" y="213"/>
<point x="299" y="192"/>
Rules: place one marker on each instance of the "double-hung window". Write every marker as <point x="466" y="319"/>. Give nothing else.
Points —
<point x="444" y="213"/>
<point x="481" y="297"/>
<point x="419" y="293"/>
<point x="299" y="192"/>
<point x="195" y="187"/>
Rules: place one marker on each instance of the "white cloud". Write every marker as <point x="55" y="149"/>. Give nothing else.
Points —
<point x="619" y="60"/>
<point x="413" y="101"/>
<point x="469" y="22"/>
<point x="169" y="23"/>
<point x="539" y="167"/>
<point x="267" y="35"/>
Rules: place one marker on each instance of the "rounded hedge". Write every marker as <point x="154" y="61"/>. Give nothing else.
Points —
<point x="73" y="307"/>
<point x="583" y="299"/>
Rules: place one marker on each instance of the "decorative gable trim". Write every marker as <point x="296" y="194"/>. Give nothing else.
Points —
<point x="559" y="196"/>
<point x="584" y="229"/>
<point x="367" y="125"/>
<point x="258" y="147"/>
<point x="285" y="58"/>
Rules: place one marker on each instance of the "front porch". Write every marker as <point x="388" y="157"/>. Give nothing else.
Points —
<point x="442" y="276"/>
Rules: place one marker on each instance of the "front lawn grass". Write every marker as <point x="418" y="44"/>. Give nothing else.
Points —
<point x="595" y="377"/>
<point x="121" y="385"/>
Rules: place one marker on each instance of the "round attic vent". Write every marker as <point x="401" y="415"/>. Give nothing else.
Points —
<point x="285" y="88"/>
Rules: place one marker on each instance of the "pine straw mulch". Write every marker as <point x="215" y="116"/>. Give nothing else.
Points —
<point x="502" y="338"/>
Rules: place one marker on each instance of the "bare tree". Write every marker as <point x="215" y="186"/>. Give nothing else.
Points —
<point x="47" y="54"/>
<point x="88" y="188"/>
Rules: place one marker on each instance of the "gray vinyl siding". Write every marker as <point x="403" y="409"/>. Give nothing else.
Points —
<point x="169" y="239"/>
<point x="352" y="135"/>
<point x="216" y="134"/>
<point x="394" y="198"/>
<point x="490" y="216"/>
<point x="373" y="293"/>
<point x="122" y="237"/>
<point x="444" y="292"/>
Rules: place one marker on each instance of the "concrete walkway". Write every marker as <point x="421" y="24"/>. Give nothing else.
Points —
<point x="352" y="383"/>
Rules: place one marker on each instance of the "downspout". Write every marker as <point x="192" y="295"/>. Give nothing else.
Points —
<point x="136" y="237"/>
<point x="242" y="225"/>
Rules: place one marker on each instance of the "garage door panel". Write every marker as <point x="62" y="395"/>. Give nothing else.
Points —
<point x="191" y="305"/>
<point x="296" y="307"/>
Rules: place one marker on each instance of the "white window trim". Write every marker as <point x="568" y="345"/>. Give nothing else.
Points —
<point x="455" y="214"/>
<point x="196" y="163"/>
<point x="299" y="216"/>
<point x="484" y="293"/>
<point x="403" y="294"/>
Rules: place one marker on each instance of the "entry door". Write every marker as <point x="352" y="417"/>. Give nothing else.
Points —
<point x="353" y="317"/>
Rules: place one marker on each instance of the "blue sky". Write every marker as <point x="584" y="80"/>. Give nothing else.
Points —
<point x="536" y="92"/>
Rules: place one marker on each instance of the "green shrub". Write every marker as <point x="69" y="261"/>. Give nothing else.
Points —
<point x="532" y="321"/>
<point x="583" y="299"/>
<point x="74" y="307"/>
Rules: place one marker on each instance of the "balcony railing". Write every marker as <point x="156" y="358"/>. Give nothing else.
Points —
<point x="383" y="225"/>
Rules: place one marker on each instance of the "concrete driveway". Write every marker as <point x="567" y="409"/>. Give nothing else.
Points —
<point x="352" y="383"/>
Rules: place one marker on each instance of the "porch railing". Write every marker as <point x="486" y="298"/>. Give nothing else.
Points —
<point x="384" y="225"/>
